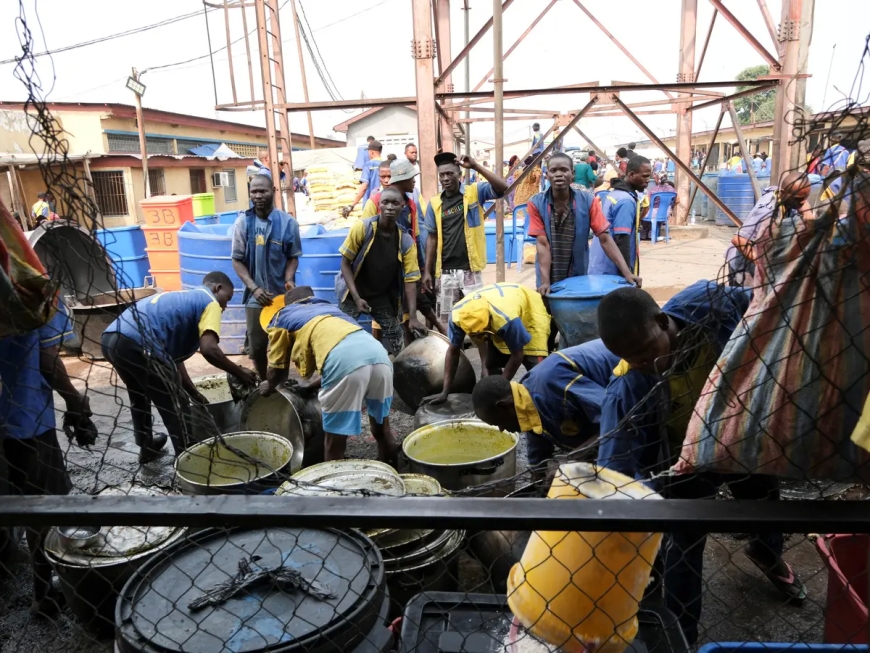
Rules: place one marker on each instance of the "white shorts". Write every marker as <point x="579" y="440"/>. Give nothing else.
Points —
<point x="453" y="285"/>
<point x="341" y="404"/>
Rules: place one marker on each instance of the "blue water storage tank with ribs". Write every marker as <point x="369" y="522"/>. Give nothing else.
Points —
<point x="737" y="194"/>
<point x="574" y="306"/>
<point x="208" y="248"/>
<point x="320" y="260"/>
<point x="126" y="248"/>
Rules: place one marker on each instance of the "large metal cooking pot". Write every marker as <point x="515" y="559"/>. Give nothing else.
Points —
<point x="95" y="312"/>
<point x="418" y="370"/>
<point x="462" y="454"/>
<point x="91" y="578"/>
<point x="291" y="416"/>
<point x="221" y="413"/>
<point x="457" y="406"/>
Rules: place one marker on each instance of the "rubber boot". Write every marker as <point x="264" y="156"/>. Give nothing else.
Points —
<point x="151" y="450"/>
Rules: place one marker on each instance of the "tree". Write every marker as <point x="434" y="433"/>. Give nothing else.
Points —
<point x="759" y="106"/>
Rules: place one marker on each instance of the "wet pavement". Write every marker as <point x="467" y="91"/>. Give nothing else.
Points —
<point x="739" y="603"/>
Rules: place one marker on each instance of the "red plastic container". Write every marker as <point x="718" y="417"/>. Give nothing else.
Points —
<point x="846" y="557"/>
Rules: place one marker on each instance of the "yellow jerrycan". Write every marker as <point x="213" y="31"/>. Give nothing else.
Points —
<point x="580" y="591"/>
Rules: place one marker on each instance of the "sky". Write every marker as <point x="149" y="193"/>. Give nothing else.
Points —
<point x="365" y="46"/>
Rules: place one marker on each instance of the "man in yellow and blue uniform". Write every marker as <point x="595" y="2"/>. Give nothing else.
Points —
<point x="558" y="403"/>
<point x="509" y="325"/>
<point x="344" y="362"/>
<point x="30" y="368"/>
<point x="379" y="265"/>
<point x="148" y="344"/>
<point x="667" y="354"/>
<point x="624" y="209"/>
<point x="456" y="241"/>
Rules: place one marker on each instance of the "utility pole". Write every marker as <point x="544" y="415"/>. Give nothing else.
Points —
<point x="302" y="72"/>
<point x="498" y="85"/>
<point x="138" y="90"/>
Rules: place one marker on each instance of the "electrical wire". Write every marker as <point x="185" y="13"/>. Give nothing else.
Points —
<point x="316" y="47"/>
<point x="102" y="39"/>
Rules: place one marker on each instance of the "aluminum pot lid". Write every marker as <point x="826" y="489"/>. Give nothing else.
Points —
<point x="342" y="476"/>
<point x="458" y="406"/>
<point x="155" y="608"/>
<point x="117" y="541"/>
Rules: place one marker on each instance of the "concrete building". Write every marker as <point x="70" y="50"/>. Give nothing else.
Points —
<point x="393" y="126"/>
<point x="759" y="136"/>
<point x="104" y="147"/>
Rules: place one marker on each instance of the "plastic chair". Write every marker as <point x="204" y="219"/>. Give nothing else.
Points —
<point x="658" y="214"/>
<point x="520" y="241"/>
<point x="521" y="210"/>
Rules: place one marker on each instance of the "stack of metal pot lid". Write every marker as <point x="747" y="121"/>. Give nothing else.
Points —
<point x="457" y="406"/>
<point x="155" y="610"/>
<point x="112" y="543"/>
<point x="345" y="476"/>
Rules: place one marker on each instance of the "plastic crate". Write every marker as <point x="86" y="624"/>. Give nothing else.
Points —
<point x="203" y="204"/>
<point x="846" y="557"/>
<point x="775" y="647"/>
<point x="447" y="622"/>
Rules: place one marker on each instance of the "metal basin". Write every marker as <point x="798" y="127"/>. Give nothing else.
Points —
<point x="295" y="418"/>
<point x="222" y="413"/>
<point x="457" y="406"/>
<point x="463" y="453"/>
<point x="94" y="313"/>
<point x="418" y="370"/>
<point x="211" y="468"/>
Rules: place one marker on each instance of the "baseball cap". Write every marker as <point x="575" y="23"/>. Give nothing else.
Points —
<point x="402" y="169"/>
<point x="444" y="157"/>
<point x="472" y="316"/>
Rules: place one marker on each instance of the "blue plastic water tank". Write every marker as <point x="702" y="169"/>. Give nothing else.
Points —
<point x="207" y="248"/>
<point x="206" y="219"/>
<point x="489" y="230"/>
<point x="320" y="261"/>
<point x="737" y="194"/>
<point x="228" y="217"/>
<point x="707" y="209"/>
<point x="574" y="305"/>
<point x="126" y="248"/>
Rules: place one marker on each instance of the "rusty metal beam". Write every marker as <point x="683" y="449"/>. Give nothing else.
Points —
<point x="281" y="97"/>
<point x="423" y="54"/>
<point x="443" y="49"/>
<point x="474" y="40"/>
<point x="733" y="96"/>
<point x="531" y="149"/>
<point x="746" y="34"/>
<point x="707" y="157"/>
<point x="230" y="51"/>
<point x="540" y="156"/>
<point x="518" y="41"/>
<point x="686" y="73"/>
<point x="498" y="164"/>
<point x="706" y="43"/>
<point x="302" y="72"/>
<point x="549" y="112"/>
<point x="266" y="72"/>
<point x="248" y="51"/>
<point x="650" y="134"/>
<point x="786" y="107"/>
<point x="771" y="26"/>
<point x="619" y="44"/>
<point x="597" y="149"/>
<point x="744" y="150"/>
<point x="541" y="116"/>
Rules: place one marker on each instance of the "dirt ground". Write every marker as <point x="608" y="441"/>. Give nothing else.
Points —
<point x="739" y="604"/>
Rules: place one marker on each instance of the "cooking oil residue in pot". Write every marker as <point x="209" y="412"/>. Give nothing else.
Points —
<point x="457" y="443"/>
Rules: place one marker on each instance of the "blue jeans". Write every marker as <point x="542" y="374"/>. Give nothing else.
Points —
<point x="684" y="551"/>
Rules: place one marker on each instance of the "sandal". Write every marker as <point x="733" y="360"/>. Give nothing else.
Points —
<point x="789" y="586"/>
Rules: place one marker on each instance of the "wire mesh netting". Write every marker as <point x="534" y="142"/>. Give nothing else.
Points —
<point x="748" y="388"/>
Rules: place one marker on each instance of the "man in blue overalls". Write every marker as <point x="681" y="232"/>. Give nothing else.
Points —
<point x="557" y="403"/>
<point x="266" y="251"/>
<point x="667" y="354"/>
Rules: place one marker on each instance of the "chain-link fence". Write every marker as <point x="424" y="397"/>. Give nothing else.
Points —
<point x="731" y="443"/>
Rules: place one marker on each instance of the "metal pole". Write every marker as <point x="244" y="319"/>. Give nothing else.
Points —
<point x="688" y="29"/>
<point x="619" y="44"/>
<point x="442" y="23"/>
<point x="785" y="95"/>
<point x="283" y="114"/>
<point x="480" y="34"/>
<point x="230" y="50"/>
<point x="744" y="150"/>
<point x="143" y="143"/>
<point x="302" y="73"/>
<point x="247" y="52"/>
<point x="266" y="72"/>
<point x="709" y="153"/>
<point x="498" y="86"/>
<point x="805" y="37"/>
<point x="650" y="134"/>
<point x="423" y="52"/>
<point x="597" y="149"/>
<point x="467" y="10"/>
<point x="768" y="22"/>
<point x="746" y="34"/>
<point x="540" y="156"/>
<point x="706" y="43"/>
<point x="516" y="43"/>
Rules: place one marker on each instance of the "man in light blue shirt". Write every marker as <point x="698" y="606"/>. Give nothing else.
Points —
<point x="266" y="251"/>
<point x="369" y="180"/>
<point x="362" y="154"/>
